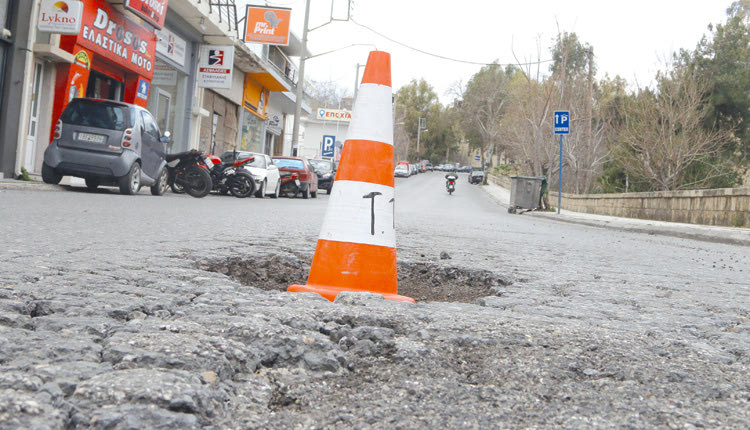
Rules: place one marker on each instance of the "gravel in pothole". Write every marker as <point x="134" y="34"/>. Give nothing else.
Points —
<point x="421" y="281"/>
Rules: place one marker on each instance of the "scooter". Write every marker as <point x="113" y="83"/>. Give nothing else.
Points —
<point x="189" y="172"/>
<point x="450" y="183"/>
<point x="230" y="177"/>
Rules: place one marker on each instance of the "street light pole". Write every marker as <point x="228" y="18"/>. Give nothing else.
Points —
<point x="300" y="83"/>
<point x="420" y="125"/>
<point x="356" y="80"/>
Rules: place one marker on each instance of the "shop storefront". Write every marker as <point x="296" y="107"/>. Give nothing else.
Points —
<point x="254" y="102"/>
<point x="114" y="59"/>
<point x="274" y="129"/>
<point x="5" y="42"/>
<point x="171" y="87"/>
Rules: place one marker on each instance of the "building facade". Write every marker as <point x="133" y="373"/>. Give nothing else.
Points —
<point x="120" y="54"/>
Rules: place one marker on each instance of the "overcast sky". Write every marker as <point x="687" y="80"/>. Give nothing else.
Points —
<point x="631" y="39"/>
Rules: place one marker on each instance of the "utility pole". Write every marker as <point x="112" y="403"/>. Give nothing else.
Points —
<point x="300" y="83"/>
<point x="356" y="80"/>
<point x="589" y="100"/>
<point x="421" y="125"/>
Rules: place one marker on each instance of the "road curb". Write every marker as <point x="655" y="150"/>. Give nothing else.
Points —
<point x="13" y="184"/>
<point x="706" y="233"/>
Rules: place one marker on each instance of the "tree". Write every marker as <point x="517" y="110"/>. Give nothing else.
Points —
<point x="413" y="101"/>
<point x="328" y="94"/>
<point x="664" y="137"/>
<point x="483" y="108"/>
<point x="722" y="60"/>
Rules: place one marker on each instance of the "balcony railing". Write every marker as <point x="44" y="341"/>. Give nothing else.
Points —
<point x="227" y="11"/>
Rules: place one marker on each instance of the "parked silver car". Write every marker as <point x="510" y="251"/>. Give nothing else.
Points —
<point x="107" y="142"/>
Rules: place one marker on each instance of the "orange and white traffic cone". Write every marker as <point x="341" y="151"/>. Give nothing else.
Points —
<point x="356" y="248"/>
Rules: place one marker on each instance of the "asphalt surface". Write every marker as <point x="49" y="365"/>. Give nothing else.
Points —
<point x="116" y="312"/>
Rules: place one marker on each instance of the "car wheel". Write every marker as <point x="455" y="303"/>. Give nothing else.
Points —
<point x="306" y="193"/>
<point x="276" y="193"/>
<point x="161" y="184"/>
<point x="262" y="191"/>
<point x="314" y="194"/>
<point x="92" y="183"/>
<point x="49" y="176"/>
<point x="131" y="183"/>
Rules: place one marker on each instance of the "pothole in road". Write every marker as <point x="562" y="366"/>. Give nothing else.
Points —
<point x="425" y="282"/>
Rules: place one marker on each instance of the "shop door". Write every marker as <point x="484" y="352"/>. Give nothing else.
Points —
<point x="213" y="131"/>
<point x="33" y="130"/>
<point x="268" y="148"/>
<point x="101" y="86"/>
<point x="163" y="109"/>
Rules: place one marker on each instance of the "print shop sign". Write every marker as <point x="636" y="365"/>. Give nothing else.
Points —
<point x="108" y="32"/>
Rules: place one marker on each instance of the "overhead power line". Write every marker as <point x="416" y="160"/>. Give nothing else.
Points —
<point x="456" y="60"/>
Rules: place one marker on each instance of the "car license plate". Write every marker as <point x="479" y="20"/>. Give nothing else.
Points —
<point x="208" y="162"/>
<point x="88" y="137"/>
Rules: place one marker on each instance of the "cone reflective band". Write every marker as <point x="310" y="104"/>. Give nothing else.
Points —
<point x="356" y="249"/>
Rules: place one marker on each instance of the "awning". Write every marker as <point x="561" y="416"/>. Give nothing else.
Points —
<point x="269" y="81"/>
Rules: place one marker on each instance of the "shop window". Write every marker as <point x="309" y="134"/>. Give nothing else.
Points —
<point x="4" y="6"/>
<point x="251" y="132"/>
<point x="101" y="86"/>
<point x="167" y="100"/>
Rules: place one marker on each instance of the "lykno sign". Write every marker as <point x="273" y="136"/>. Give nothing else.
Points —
<point x="63" y="17"/>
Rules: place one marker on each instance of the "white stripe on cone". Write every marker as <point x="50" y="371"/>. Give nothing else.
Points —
<point x="372" y="118"/>
<point x="360" y="212"/>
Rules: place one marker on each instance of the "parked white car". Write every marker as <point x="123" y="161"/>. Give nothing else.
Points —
<point x="264" y="171"/>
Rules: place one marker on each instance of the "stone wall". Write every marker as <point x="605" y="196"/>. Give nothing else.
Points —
<point x="725" y="207"/>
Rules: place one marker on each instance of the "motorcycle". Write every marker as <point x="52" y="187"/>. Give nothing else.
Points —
<point x="450" y="183"/>
<point x="290" y="184"/>
<point x="189" y="173"/>
<point x="230" y="177"/>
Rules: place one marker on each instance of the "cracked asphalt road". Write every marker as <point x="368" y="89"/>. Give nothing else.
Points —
<point x="108" y="319"/>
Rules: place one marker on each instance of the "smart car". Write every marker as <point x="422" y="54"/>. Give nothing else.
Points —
<point x="107" y="142"/>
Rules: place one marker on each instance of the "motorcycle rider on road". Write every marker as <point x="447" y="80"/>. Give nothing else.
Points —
<point x="451" y="176"/>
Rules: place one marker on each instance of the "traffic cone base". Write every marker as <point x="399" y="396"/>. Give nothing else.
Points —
<point x="330" y="293"/>
<point x="356" y="249"/>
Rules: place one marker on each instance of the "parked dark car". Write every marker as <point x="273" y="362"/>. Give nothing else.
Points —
<point x="326" y="173"/>
<point x="476" y="176"/>
<point x="308" y="180"/>
<point x="107" y="142"/>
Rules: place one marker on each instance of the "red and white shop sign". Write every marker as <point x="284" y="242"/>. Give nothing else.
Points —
<point x="57" y="16"/>
<point x="153" y="11"/>
<point x="109" y="33"/>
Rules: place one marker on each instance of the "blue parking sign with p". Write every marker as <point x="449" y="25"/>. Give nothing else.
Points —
<point x="562" y="122"/>
<point x="328" y="146"/>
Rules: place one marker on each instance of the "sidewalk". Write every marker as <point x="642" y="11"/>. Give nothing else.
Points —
<point x="730" y="235"/>
<point x="35" y="185"/>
